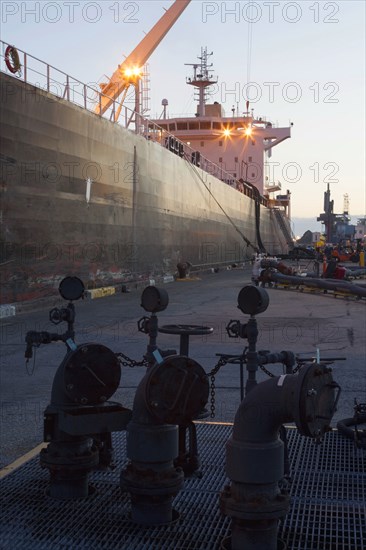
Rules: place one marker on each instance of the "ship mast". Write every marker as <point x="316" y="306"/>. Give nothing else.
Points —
<point x="202" y="79"/>
<point x="130" y="71"/>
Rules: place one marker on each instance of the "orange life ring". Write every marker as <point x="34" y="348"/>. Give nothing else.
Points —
<point x="12" y="59"/>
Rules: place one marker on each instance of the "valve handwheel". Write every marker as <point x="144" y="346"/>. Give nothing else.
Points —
<point x="185" y="331"/>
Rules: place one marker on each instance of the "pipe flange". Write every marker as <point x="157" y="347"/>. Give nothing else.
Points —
<point x="260" y="509"/>
<point x="55" y="462"/>
<point x="147" y="482"/>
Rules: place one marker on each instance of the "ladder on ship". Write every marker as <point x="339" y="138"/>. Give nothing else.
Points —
<point x="280" y="216"/>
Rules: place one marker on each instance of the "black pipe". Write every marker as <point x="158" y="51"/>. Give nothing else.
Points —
<point x="257" y="210"/>
<point x="255" y="453"/>
<point x="335" y="285"/>
<point x="285" y="357"/>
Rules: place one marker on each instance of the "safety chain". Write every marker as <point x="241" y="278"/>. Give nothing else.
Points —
<point x="128" y="362"/>
<point x="212" y="375"/>
<point x="271" y="375"/>
<point x="298" y="367"/>
<point x="267" y="372"/>
<point x="223" y="361"/>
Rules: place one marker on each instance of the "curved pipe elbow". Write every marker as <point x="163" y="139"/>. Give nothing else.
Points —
<point x="149" y="440"/>
<point x="265" y="408"/>
<point x="140" y="410"/>
<point x="59" y="394"/>
<point x="255" y="454"/>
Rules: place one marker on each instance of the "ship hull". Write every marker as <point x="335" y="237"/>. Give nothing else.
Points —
<point x="81" y="195"/>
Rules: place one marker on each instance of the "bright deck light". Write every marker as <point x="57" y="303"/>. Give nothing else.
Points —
<point x="226" y="132"/>
<point x="133" y="72"/>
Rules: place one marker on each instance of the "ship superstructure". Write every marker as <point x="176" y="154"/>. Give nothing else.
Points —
<point x="239" y="145"/>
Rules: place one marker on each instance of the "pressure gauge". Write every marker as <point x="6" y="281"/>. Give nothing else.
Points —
<point x="253" y="300"/>
<point x="154" y="299"/>
<point x="71" y="288"/>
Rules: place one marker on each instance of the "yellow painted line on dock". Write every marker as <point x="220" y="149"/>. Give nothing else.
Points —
<point x="21" y="460"/>
<point x="101" y="292"/>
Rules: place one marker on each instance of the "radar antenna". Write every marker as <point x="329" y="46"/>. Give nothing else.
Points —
<point x="202" y="79"/>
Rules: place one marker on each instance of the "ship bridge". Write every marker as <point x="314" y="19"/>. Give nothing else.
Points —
<point x="237" y="144"/>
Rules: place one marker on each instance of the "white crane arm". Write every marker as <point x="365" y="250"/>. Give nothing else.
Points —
<point x="119" y="81"/>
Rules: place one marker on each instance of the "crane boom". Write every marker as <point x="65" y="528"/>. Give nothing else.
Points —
<point x="138" y="57"/>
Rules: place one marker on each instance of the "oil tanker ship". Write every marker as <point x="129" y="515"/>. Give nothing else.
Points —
<point x="94" y="188"/>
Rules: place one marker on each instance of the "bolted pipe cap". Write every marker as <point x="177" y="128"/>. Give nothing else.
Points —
<point x="176" y="390"/>
<point x="316" y="397"/>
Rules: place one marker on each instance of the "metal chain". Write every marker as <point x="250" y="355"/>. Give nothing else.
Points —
<point x="267" y="372"/>
<point x="298" y="367"/>
<point x="128" y="362"/>
<point x="212" y="375"/>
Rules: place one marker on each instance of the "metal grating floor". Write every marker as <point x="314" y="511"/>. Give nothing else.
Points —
<point x="328" y="505"/>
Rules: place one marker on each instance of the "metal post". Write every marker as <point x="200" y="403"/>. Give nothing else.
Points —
<point x="252" y="357"/>
<point x="25" y="67"/>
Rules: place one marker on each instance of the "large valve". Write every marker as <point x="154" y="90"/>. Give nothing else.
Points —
<point x="256" y="458"/>
<point x="80" y="418"/>
<point x="172" y="392"/>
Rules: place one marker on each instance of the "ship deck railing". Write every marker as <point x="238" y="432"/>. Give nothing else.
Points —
<point x="45" y="77"/>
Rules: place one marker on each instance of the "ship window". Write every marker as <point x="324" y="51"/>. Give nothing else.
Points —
<point x="236" y="159"/>
<point x="250" y="159"/>
<point x="205" y="125"/>
<point x="234" y="174"/>
<point x="172" y="127"/>
<point x="216" y="125"/>
<point x="193" y="125"/>
<point x="253" y="142"/>
<point x="164" y="126"/>
<point x="253" y="175"/>
<point x="220" y="143"/>
<point x="182" y="126"/>
<point x="202" y="143"/>
<point x="220" y="159"/>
